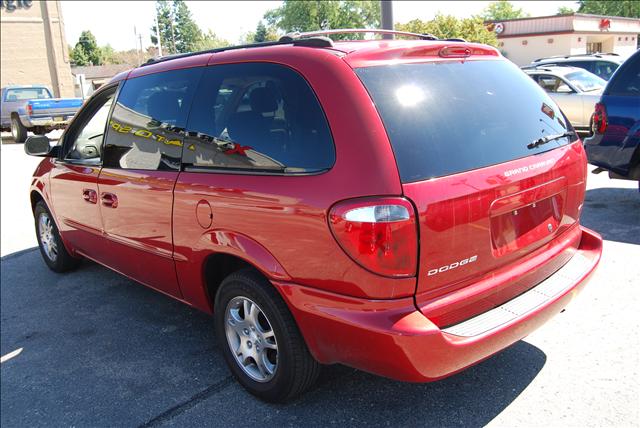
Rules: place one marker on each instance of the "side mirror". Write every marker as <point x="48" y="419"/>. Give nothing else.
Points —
<point x="39" y="145"/>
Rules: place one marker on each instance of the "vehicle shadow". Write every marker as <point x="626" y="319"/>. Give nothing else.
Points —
<point x="614" y="213"/>
<point x="97" y="349"/>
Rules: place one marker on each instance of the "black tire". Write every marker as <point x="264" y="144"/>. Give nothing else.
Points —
<point x="18" y="131"/>
<point x="62" y="261"/>
<point x="296" y="370"/>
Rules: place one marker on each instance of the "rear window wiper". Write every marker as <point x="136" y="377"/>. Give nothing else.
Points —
<point x="548" y="138"/>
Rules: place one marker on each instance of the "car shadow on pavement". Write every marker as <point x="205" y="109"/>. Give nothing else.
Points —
<point x="97" y="349"/>
<point x="614" y="213"/>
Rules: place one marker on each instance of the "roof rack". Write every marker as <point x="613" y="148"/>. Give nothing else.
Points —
<point x="320" y="42"/>
<point x="296" y="35"/>
<point x="595" y="54"/>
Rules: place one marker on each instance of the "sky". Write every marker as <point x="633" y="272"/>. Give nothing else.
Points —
<point x="113" y="22"/>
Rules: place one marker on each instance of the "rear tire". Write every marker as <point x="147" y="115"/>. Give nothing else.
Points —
<point x="50" y="244"/>
<point x="18" y="131"/>
<point x="283" y="368"/>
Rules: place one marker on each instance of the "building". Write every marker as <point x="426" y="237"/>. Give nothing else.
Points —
<point x="524" y="39"/>
<point x="89" y="78"/>
<point x="34" y="47"/>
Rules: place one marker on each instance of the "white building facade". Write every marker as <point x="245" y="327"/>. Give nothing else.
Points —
<point x="525" y="39"/>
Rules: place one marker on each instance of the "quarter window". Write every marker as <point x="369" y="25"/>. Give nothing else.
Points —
<point x="257" y="117"/>
<point x="148" y="120"/>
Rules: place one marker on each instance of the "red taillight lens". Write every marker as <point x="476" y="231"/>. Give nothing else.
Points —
<point x="599" y="119"/>
<point x="379" y="234"/>
<point x="455" y="52"/>
<point x="29" y="109"/>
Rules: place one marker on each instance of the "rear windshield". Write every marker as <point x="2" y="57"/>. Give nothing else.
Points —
<point x="22" y="94"/>
<point x="448" y="117"/>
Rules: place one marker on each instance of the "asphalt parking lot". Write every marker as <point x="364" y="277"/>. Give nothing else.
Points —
<point x="92" y="348"/>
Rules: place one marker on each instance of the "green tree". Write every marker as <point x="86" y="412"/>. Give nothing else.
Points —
<point x="86" y="51"/>
<point x="324" y="14"/>
<point x="164" y="16"/>
<point x="450" y="27"/>
<point x="210" y="41"/>
<point x="563" y="10"/>
<point x="109" y="55"/>
<point x="261" y="33"/>
<point x="627" y="8"/>
<point x="502" y="9"/>
<point x="187" y="33"/>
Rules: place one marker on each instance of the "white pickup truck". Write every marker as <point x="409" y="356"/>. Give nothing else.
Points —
<point x="32" y="108"/>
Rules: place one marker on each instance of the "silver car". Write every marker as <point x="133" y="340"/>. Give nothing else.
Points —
<point x="601" y="64"/>
<point x="574" y="89"/>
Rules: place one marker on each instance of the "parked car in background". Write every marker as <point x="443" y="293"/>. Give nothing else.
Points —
<point x="601" y="64"/>
<point x="575" y="90"/>
<point x="33" y="108"/>
<point x="615" y="144"/>
<point x="379" y="204"/>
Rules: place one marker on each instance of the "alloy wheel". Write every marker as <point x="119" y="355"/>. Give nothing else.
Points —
<point x="47" y="237"/>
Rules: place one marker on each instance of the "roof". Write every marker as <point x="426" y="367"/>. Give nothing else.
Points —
<point x="106" y="71"/>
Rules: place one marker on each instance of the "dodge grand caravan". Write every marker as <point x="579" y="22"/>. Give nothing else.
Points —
<point x="404" y="207"/>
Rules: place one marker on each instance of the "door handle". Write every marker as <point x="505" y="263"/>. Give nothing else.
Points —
<point x="109" y="199"/>
<point x="90" y="196"/>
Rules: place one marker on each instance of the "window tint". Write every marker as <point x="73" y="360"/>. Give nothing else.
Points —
<point x="257" y="117"/>
<point x="448" y="117"/>
<point x="21" y="94"/>
<point x="83" y="141"/>
<point x="148" y="120"/>
<point x="553" y="84"/>
<point x="586" y="65"/>
<point x="627" y="81"/>
<point x="604" y="69"/>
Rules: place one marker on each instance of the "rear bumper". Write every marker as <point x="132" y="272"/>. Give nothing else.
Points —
<point x="54" y="122"/>
<point x="392" y="338"/>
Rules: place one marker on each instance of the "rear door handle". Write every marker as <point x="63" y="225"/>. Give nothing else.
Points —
<point x="90" y="196"/>
<point x="109" y="199"/>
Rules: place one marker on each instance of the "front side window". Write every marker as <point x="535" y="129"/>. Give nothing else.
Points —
<point x="257" y="117"/>
<point x="23" y="94"/>
<point x="83" y="141"/>
<point x="148" y="120"/>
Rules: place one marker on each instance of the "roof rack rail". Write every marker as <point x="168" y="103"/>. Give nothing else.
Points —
<point x="297" y="35"/>
<point x="320" y="42"/>
<point x="595" y="54"/>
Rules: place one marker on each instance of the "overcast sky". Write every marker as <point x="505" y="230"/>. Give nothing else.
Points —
<point x="113" y="22"/>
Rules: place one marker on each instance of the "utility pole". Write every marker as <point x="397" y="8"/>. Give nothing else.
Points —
<point x="158" y="36"/>
<point x="135" y="41"/>
<point x="386" y="9"/>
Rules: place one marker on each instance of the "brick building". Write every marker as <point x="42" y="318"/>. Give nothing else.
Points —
<point x="33" y="45"/>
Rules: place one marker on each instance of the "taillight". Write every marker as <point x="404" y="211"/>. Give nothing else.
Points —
<point x="379" y="234"/>
<point x="599" y="119"/>
<point x="455" y="52"/>
<point x="29" y="109"/>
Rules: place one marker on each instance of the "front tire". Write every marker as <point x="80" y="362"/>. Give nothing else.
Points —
<point x="50" y="244"/>
<point x="260" y="340"/>
<point x="18" y="131"/>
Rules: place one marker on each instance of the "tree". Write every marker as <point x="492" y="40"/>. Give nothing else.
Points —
<point x="563" y="10"/>
<point x="86" y="51"/>
<point x="260" y="34"/>
<point x="109" y="55"/>
<point x="210" y="41"/>
<point x="450" y="27"/>
<point x="320" y="15"/>
<point x="627" y="8"/>
<point x="187" y="33"/>
<point x="164" y="16"/>
<point x="502" y="9"/>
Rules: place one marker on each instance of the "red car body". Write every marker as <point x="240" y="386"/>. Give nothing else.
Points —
<point x="180" y="232"/>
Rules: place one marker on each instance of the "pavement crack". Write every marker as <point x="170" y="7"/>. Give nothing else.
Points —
<point x="178" y="409"/>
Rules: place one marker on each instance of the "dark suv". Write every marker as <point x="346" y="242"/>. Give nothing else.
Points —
<point x="407" y="208"/>
<point x="615" y="143"/>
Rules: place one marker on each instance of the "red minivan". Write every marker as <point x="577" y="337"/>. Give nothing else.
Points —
<point x="404" y="207"/>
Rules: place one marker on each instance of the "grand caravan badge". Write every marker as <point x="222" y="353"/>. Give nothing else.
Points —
<point x="452" y="265"/>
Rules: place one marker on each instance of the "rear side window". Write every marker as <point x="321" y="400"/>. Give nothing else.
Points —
<point x="448" y="117"/>
<point x="627" y="81"/>
<point x="257" y="117"/>
<point x="148" y="120"/>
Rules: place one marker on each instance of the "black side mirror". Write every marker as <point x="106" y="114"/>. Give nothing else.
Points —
<point x="39" y="145"/>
